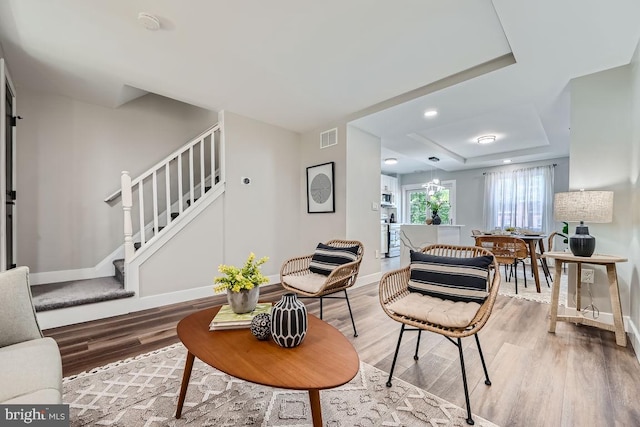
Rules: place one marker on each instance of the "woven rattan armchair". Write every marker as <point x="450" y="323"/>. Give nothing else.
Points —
<point x="394" y="286"/>
<point x="341" y="278"/>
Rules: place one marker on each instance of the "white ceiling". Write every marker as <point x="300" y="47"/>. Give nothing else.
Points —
<point x="497" y="67"/>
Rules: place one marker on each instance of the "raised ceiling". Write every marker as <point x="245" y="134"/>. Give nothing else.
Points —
<point x="501" y="67"/>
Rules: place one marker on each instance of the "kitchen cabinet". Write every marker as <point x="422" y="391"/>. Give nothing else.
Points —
<point x="389" y="185"/>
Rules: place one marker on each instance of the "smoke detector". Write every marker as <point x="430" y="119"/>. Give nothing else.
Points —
<point x="149" y="21"/>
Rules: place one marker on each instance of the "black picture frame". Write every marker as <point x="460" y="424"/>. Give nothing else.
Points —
<point x="321" y="188"/>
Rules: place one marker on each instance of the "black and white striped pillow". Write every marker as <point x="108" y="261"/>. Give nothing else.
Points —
<point x="456" y="279"/>
<point x="327" y="258"/>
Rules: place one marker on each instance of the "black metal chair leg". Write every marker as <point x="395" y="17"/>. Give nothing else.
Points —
<point x="395" y="356"/>
<point x="524" y="270"/>
<point x="464" y="382"/>
<point x="320" y="308"/>
<point x="516" y="276"/>
<point x="355" y="333"/>
<point x="484" y="366"/>
<point x="415" y="356"/>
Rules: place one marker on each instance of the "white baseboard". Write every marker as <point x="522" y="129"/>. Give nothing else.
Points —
<point x="369" y="278"/>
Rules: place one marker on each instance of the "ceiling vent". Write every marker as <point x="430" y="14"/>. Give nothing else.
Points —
<point x="434" y="159"/>
<point x="329" y="138"/>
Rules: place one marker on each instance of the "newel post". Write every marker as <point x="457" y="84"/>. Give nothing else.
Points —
<point x="127" y="203"/>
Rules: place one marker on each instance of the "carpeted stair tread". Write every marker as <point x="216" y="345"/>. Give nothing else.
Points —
<point x="69" y="294"/>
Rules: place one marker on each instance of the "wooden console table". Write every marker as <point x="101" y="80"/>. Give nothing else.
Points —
<point x="610" y="262"/>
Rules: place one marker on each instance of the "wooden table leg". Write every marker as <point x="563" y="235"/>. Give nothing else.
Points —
<point x="555" y="296"/>
<point x="621" y="336"/>
<point x="534" y="263"/>
<point x="186" y="376"/>
<point x="316" y="410"/>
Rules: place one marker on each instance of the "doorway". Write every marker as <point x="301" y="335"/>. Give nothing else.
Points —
<point x="7" y="171"/>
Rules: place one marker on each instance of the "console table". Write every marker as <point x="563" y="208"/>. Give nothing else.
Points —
<point x="609" y="261"/>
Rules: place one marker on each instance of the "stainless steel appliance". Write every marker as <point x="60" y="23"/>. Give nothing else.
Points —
<point x="386" y="199"/>
<point x="384" y="239"/>
<point x="394" y="240"/>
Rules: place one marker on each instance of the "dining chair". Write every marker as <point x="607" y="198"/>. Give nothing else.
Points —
<point x="332" y="268"/>
<point x="509" y="251"/>
<point x="448" y="290"/>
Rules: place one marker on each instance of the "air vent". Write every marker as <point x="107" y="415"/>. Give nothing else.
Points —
<point x="329" y="138"/>
<point x="434" y="159"/>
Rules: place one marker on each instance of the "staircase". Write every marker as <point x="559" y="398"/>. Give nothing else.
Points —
<point x="166" y="194"/>
<point x="160" y="198"/>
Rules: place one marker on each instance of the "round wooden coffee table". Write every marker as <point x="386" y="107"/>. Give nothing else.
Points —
<point x="325" y="359"/>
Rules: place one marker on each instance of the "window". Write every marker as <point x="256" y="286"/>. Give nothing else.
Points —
<point x="415" y="198"/>
<point x="522" y="198"/>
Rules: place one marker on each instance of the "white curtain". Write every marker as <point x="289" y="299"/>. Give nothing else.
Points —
<point x="522" y="198"/>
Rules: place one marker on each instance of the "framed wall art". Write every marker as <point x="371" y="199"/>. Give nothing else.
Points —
<point x="320" y="188"/>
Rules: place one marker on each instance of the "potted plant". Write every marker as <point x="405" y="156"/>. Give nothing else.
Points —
<point x="242" y="284"/>
<point x="434" y="204"/>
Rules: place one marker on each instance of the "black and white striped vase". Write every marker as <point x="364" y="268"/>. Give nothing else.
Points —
<point x="289" y="321"/>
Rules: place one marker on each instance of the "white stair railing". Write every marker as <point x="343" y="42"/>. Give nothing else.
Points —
<point x="197" y="166"/>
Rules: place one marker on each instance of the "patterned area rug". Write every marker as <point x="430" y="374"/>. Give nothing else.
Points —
<point x="529" y="293"/>
<point x="143" y="391"/>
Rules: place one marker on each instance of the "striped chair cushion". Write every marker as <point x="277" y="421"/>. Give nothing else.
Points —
<point x="327" y="258"/>
<point x="456" y="279"/>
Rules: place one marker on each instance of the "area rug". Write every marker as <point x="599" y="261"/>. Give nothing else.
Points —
<point x="143" y="391"/>
<point x="529" y="293"/>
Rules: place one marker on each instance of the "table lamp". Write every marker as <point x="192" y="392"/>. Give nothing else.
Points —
<point x="581" y="206"/>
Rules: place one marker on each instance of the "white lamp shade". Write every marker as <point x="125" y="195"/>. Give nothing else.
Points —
<point x="587" y="206"/>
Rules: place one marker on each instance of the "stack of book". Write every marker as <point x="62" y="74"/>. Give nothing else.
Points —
<point x="227" y="319"/>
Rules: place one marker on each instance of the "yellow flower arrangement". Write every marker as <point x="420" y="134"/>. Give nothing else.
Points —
<point x="237" y="279"/>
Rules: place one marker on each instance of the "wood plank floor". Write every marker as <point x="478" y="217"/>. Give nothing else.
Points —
<point x="575" y="377"/>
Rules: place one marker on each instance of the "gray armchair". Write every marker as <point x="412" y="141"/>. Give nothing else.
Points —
<point x="30" y="365"/>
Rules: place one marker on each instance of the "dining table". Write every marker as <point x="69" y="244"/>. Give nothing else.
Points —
<point x="532" y="240"/>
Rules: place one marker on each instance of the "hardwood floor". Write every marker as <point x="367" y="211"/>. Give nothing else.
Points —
<point x="575" y="377"/>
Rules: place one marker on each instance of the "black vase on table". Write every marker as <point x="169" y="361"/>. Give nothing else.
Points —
<point x="436" y="219"/>
<point x="289" y="321"/>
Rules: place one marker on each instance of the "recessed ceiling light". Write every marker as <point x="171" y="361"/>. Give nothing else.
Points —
<point x="390" y="161"/>
<point x="486" y="139"/>
<point x="506" y="161"/>
<point x="430" y="113"/>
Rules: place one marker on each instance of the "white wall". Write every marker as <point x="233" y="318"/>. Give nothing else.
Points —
<point x="190" y="260"/>
<point x="634" y="182"/>
<point x="470" y="191"/>
<point x="69" y="158"/>
<point x="602" y="123"/>
<point x="320" y="227"/>
<point x="363" y="189"/>
<point x="262" y="217"/>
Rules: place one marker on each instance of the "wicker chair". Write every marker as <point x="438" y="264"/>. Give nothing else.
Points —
<point x="340" y="279"/>
<point x="509" y="251"/>
<point x="394" y="287"/>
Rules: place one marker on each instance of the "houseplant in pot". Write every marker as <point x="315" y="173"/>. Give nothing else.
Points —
<point x="242" y="284"/>
<point x="435" y="203"/>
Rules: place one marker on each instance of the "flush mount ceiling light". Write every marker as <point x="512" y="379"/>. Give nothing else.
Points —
<point x="430" y="113"/>
<point x="390" y="161"/>
<point x="149" y="21"/>
<point x="486" y="139"/>
<point x="506" y="161"/>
